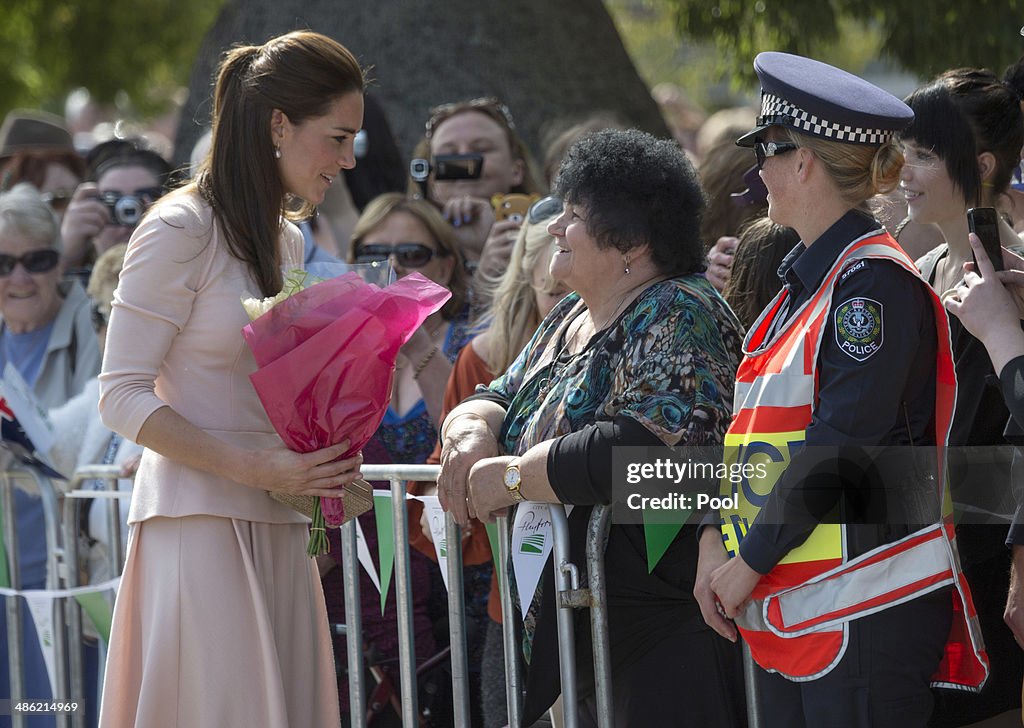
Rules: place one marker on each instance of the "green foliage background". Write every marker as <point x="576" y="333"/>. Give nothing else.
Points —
<point x="136" y="52"/>
<point x="119" y="49"/>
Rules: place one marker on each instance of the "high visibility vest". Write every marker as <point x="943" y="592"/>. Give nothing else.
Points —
<point x="796" y="623"/>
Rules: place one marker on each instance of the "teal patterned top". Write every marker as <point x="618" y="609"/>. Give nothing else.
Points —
<point x="669" y="362"/>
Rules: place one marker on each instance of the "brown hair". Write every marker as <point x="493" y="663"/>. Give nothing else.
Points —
<point x="31" y="167"/>
<point x="512" y="316"/>
<point x="754" y="280"/>
<point x="860" y="171"/>
<point x="301" y="73"/>
<point x="721" y="174"/>
<point x="442" y="233"/>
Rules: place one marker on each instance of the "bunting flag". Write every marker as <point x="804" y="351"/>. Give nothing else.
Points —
<point x="385" y="542"/>
<point x="531" y="545"/>
<point x="494" y="539"/>
<point x="660" y="529"/>
<point x="96" y="606"/>
<point x="41" y="603"/>
<point x="363" y="554"/>
<point x="40" y="606"/>
<point x="438" y="533"/>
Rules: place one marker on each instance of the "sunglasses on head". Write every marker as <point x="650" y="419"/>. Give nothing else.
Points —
<point x="34" y="261"/>
<point x="544" y="209"/>
<point x="408" y="255"/>
<point x="490" y="106"/>
<point x="763" y="150"/>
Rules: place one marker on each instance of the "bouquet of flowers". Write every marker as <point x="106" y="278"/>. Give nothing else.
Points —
<point x="326" y="351"/>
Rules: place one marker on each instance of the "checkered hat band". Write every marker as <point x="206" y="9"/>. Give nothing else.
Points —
<point x="775" y="110"/>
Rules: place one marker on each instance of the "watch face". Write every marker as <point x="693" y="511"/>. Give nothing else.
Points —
<point x="512" y="477"/>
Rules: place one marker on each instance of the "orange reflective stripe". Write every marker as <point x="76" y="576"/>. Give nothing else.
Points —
<point x="796" y="623"/>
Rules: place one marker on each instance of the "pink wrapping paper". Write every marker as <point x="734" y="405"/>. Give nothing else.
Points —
<point x="326" y="359"/>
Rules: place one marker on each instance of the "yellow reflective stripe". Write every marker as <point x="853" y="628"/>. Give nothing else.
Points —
<point x="773" y="451"/>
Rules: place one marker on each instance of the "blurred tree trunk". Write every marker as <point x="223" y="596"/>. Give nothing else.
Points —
<point x="548" y="61"/>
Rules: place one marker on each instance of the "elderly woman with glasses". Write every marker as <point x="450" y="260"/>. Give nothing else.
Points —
<point x="643" y="352"/>
<point x="483" y="127"/>
<point x="46" y="335"/>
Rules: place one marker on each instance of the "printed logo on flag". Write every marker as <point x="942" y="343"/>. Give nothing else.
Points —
<point x="532" y="544"/>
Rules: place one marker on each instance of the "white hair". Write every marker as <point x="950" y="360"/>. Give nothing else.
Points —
<point x="23" y="211"/>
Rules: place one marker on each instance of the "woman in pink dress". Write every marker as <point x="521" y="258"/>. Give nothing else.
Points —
<point x="220" y="620"/>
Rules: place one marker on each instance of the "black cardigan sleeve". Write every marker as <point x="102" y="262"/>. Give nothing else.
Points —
<point x="580" y="463"/>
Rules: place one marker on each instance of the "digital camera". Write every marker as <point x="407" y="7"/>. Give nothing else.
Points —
<point x="125" y="210"/>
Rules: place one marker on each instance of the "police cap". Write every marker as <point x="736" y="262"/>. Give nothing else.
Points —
<point x="818" y="99"/>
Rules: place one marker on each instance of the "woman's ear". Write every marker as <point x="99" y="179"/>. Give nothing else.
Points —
<point x="279" y="124"/>
<point x="518" y="172"/>
<point x="986" y="166"/>
<point x="805" y="162"/>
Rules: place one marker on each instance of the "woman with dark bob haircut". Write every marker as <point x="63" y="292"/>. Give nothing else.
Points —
<point x="643" y="352"/>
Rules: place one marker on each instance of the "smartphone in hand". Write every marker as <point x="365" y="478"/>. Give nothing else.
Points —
<point x="984" y="222"/>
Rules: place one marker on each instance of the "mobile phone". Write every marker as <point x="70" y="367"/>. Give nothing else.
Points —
<point x="984" y="222"/>
<point x="512" y="207"/>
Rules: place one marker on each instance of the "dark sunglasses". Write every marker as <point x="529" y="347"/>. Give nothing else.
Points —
<point x="34" y="261"/>
<point x="408" y="255"/>
<point x="490" y="106"/>
<point x="763" y="150"/>
<point x="545" y="209"/>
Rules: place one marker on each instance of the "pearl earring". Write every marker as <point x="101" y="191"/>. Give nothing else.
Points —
<point x="625" y="259"/>
<point x="277" y="152"/>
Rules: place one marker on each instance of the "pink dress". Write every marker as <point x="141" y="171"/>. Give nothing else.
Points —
<point x="220" y="617"/>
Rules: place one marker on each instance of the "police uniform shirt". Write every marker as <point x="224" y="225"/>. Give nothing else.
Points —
<point x="876" y="377"/>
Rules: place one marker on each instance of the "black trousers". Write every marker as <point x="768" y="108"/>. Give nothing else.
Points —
<point x="881" y="681"/>
<point x="690" y="680"/>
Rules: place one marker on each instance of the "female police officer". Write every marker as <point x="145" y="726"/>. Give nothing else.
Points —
<point x="848" y="622"/>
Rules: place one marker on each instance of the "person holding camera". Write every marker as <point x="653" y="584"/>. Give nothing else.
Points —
<point x="474" y="154"/>
<point x="124" y="179"/>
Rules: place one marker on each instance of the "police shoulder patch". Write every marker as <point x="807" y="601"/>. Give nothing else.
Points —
<point x="851" y="269"/>
<point x="859" y="328"/>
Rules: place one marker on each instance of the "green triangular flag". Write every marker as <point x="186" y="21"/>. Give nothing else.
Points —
<point x="499" y="568"/>
<point x="660" y="528"/>
<point x="385" y="543"/>
<point x="5" y="578"/>
<point x="98" y="609"/>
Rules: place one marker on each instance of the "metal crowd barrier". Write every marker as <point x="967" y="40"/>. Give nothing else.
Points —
<point x="61" y="517"/>
<point x="61" y="511"/>
<point x="569" y="596"/>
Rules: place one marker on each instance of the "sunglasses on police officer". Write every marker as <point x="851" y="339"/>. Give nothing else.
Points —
<point x="34" y="261"/>
<point x="763" y="150"/>
<point x="407" y="255"/>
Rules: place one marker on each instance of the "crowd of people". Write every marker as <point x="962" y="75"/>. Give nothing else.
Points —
<point x="749" y="296"/>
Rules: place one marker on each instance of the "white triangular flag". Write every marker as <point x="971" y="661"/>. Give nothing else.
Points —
<point x="531" y="546"/>
<point x="40" y="606"/>
<point x="435" y="517"/>
<point x="363" y="554"/>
